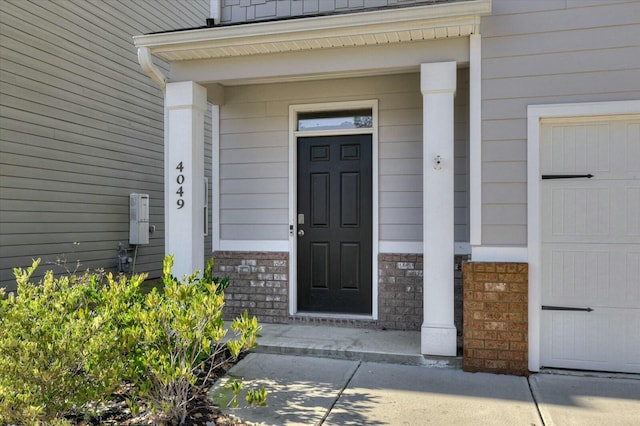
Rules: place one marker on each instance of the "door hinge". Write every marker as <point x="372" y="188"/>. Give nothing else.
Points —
<point x="587" y="176"/>
<point x="565" y="308"/>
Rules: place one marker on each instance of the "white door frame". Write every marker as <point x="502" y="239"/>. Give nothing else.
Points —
<point x="536" y="113"/>
<point x="293" y="188"/>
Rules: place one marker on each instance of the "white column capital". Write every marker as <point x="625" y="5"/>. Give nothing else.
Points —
<point x="186" y="94"/>
<point x="438" y="77"/>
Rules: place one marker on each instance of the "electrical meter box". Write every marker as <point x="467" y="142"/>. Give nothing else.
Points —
<point x="138" y="218"/>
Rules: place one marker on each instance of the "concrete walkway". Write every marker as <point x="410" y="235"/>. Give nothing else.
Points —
<point x="400" y="347"/>
<point x="311" y="387"/>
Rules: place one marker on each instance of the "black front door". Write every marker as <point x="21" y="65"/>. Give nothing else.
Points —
<point x="334" y="224"/>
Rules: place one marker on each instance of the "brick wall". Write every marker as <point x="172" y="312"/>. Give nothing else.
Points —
<point x="259" y="284"/>
<point x="400" y="291"/>
<point x="458" y="298"/>
<point x="495" y="317"/>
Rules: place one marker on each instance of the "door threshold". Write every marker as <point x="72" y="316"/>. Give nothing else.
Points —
<point x="332" y="315"/>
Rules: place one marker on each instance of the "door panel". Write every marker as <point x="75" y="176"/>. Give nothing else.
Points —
<point x="335" y="204"/>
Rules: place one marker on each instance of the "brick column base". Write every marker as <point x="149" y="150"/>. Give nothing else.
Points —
<point x="495" y="318"/>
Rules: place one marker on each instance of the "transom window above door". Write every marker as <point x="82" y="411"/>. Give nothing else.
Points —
<point x="335" y="120"/>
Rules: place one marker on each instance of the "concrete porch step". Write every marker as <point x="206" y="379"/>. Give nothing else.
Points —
<point x="370" y="345"/>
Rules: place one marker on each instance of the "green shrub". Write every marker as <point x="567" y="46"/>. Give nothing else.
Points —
<point x="180" y="336"/>
<point x="71" y="342"/>
<point x="58" y="348"/>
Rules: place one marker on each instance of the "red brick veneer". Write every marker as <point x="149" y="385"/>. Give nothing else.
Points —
<point x="495" y="317"/>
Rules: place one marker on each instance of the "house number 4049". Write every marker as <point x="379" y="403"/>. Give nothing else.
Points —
<point x="180" y="181"/>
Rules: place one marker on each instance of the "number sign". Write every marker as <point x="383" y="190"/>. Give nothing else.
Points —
<point x="180" y="181"/>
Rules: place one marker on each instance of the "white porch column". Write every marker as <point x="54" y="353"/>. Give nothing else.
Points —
<point x="185" y="107"/>
<point x="438" y="85"/>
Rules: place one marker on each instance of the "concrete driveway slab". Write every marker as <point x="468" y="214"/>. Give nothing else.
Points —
<point x="387" y="394"/>
<point x="302" y="390"/>
<point x="581" y="400"/>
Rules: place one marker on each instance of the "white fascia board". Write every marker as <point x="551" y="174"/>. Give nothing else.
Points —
<point x="322" y="64"/>
<point x="345" y="25"/>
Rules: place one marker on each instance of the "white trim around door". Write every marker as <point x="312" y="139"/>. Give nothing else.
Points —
<point x="293" y="156"/>
<point x="535" y="114"/>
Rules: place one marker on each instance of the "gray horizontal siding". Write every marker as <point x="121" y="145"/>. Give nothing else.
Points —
<point x="208" y="170"/>
<point x="254" y="162"/>
<point x="461" y="158"/>
<point x="545" y="53"/>
<point x="81" y="127"/>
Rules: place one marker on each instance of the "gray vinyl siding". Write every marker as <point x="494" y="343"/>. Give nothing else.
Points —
<point x="234" y="11"/>
<point x="81" y="127"/>
<point x="254" y="162"/>
<point x="546" y="52"/>
<point x="208" y="170"/>
<point x="461" y="154"/>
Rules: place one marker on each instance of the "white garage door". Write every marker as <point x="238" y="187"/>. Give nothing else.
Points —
<point x="590" y="315"/>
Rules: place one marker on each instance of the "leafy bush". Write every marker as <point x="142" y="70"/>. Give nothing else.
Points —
<point x="180" y="336"/>
<point x="59" y="350"/>
<point x="72" y="341"/>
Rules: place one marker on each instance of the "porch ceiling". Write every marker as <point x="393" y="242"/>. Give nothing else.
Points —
<point x="429" y="22"/>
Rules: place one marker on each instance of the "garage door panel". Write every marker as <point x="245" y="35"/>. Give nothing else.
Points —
<point x="576" y="149"/>
<point x="576" y="340"/>
<point x="576" y="277"/>
<point x="633" y="211"/>
<point x="596" y="275"/>
<point x="590" y="244"/>
<point x="591" y="212"/>
<point x="630" y="135"/>
<point x="580" y="211"/>
<point x="608" y="150"/>
<point x="575" y="337"/>
<point x="631" y="353"/>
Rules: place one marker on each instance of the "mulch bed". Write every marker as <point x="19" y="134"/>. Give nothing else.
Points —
<point x="201" y="410"/>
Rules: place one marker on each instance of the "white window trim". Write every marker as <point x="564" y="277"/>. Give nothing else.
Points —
<point x="293" y="156"/>
<point x="535" y="113"/>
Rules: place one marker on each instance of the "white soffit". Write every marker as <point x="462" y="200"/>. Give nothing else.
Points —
<point x="430" y="22"/>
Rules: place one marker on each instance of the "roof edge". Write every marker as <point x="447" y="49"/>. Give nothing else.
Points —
<point x="306" y="28"/>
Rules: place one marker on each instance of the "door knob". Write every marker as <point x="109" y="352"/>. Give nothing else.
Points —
<point x="301" y="233"/>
